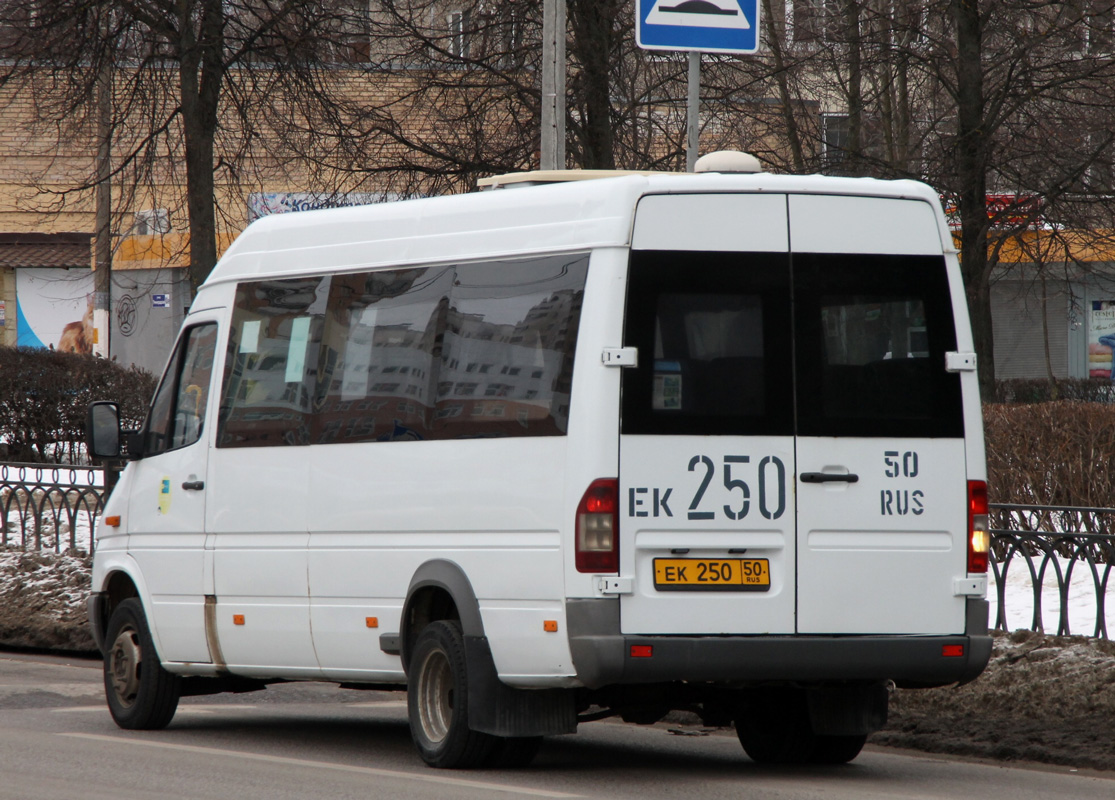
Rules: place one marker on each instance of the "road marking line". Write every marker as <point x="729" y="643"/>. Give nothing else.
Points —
<point x="198" y="709"/>
<point x="301" y="762"/>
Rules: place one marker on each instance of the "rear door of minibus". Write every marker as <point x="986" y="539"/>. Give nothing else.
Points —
<point x="706" y="447"/>
<point x="791" y="451"/>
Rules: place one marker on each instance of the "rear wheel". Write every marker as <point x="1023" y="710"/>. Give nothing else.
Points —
<point x="837" y="749"/>
<point x="141" y="694"/>
<point x="437" y="700"/>
<point x="774" y="727"/>
<point x="510" y="752"/>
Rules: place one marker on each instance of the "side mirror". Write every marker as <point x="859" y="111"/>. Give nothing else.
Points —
<point x="102" y="430"/>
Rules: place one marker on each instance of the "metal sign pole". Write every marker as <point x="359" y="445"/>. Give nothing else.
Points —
<point x="693" y="111"/>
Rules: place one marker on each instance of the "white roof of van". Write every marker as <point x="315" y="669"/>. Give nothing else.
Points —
<point x="576" y="215"/>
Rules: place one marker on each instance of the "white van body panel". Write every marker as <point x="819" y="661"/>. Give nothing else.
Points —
<point x="260" y="560"/>
<point x="744" y="222"/>
<point x="489" y="508"/>
<point x="880" y="544"/>
<point x="835" y="224"/>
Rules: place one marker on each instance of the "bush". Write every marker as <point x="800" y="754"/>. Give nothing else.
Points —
<point x="45" y="394"/>
<point x="1051" y="453"/>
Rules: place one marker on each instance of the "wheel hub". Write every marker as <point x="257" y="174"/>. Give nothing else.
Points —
<point x="124" y="661"/>
<point x="435" y="697"/>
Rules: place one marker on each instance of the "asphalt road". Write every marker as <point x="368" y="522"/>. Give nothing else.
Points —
<point x="57" y="742"/>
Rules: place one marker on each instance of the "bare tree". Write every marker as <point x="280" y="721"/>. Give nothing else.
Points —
<point x="975" y="97"/>
<point x="198" y="86"/>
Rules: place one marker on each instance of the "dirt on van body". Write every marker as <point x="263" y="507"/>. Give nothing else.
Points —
<point x="1042" y="698"/>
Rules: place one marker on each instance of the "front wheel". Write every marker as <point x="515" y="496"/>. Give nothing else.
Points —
<point x="437" y="700"/>
<point x="141" y="694"/>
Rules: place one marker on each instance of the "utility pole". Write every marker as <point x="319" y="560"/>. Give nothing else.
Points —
<point x="552" y="155"/>
<point x="693" y="112"/>
<point x="102" y="247"/>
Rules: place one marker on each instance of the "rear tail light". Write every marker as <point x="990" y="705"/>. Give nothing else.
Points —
<point x="598" y="527"/>
<point x="979" y="527"/>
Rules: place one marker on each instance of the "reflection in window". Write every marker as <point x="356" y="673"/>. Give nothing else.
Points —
<point x="473" y="350"/>
<point x="708" y="355"/>
<point x="860" y="330"/>
<point x="273" y="348"/>
<point x="872" y="333"/>
<point x="714" y="337"/>
<point x="503" y="324"/>
<point x="443" y="339"/>
<point x="386" y="323"/>
<point x="178" y="410"/>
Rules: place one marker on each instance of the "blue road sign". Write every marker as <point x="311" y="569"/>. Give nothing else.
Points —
<point x="711" y="26"/>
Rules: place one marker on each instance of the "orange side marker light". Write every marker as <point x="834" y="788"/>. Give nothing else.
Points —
<point x="549" y="625"/>
<point x="371" y="622"/>
<point x="237" y="619"/>
<point x="113" y="521"/>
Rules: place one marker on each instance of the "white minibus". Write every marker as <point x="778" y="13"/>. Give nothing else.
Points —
<point x="557" y="451"/>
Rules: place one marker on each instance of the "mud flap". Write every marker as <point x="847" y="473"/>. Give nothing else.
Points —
<point x="498" y="709"/>
<point x="847" y="710"/>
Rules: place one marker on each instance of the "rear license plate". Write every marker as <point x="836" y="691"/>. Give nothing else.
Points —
<point x="712" y="574"/>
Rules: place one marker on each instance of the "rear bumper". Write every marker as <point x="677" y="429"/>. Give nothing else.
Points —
<point x="602" y="655"/>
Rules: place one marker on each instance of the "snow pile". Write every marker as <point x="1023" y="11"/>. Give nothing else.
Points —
<point x="42" y="600"/>
<point x="1042" y="698"/>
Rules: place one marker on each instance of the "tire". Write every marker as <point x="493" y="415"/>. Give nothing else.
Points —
<point x="513" y="752"/>
<point x="141" y="694"/>
<point x="774" y="728"/>
<point x="437" y="701"/>
<point x="837" y="749"/>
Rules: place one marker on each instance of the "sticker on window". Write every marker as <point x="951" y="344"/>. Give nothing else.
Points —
<point x="667" y="386"/>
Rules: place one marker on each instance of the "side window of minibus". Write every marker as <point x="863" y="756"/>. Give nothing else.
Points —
<point x="177" y="415"/>
<point x="271" y="363"/>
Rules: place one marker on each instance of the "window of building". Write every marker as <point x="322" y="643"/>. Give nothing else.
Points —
<point x="152" y="221"/>
<point x="834" y="141"/>
<point x="459" y="33"/>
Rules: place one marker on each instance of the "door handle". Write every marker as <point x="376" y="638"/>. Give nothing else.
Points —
<point x="829" y="477"/>
<point x="193" y="485"/>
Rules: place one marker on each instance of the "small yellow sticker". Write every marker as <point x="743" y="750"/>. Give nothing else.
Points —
<point x="164" y="495"/>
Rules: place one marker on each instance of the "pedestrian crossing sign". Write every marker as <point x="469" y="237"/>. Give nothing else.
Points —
<point x="711" y="26"/>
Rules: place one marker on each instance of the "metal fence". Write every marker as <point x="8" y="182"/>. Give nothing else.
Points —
<point x="1051" y="566"/>
<point x="50" y="506"/>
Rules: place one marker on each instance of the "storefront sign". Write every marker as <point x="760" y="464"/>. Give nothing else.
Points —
<point x="1101" y="339"/>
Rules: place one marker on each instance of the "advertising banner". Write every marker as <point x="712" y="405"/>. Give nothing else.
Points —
<point x="54" y="309"/>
